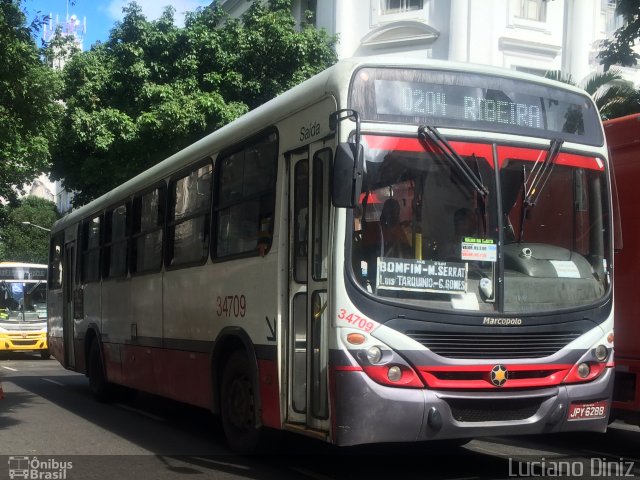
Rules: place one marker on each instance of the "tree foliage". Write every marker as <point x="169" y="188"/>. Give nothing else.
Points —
<point x="26" y="243"/>
<point x="153" y="88"/>
<point x="28" y="112"/>
<point x="613" y="96"/>
<point x="619" y="50"/>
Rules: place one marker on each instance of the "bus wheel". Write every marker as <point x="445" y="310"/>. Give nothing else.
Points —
<point x="238" y="406"/>
<point x="98" y="384"/>
<point x="45" y="355"/>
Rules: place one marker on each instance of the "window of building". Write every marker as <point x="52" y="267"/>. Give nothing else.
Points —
<point x="532" y="10"/>
<point x="91" y="231"/>
<point x="116" y="241"/>
<point x="189" y="217"/>
<point x="147" y="224"/>
<point x="399" y="6"/>
<point x="610" y="20"/>
<point x="246" y="199"/>
<point x="308" y="12"/>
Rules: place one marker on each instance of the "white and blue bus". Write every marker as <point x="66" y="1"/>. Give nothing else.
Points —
<point x="390" y="251"/>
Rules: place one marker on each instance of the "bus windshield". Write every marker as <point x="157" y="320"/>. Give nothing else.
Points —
<point x="424" y="234"/>
<point x="23" y="301"/>
<point x="23" y="292"/>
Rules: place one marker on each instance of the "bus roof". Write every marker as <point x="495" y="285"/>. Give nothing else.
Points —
<point x="22" y="265"/>
<point x="332" y="81"/>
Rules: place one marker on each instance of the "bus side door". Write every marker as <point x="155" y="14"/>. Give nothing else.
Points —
<point x="68" y="282"/>
<point x="307" y="349"/>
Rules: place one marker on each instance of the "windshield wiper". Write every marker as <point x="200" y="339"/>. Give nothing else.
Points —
<point x="34" y="287"/>
<point x="541" y="175"/>
<point x="426" y="132"/>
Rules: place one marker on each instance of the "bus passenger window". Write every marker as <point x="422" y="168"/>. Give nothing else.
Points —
<point x="55" y="271"/>
<point x="188" y="227"/>
<point x="148" y="221"/>
<point x="91" y="240"/>
<point x="116" y="242"/>
<point x="245" y="204"/>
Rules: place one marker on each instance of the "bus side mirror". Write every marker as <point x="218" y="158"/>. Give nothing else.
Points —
<point x="347" y="175"/>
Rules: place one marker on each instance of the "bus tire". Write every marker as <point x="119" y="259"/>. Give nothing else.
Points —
<point x="100" y="388"/>
<point x="45" y="355"/>
<point x="238" y="405"/>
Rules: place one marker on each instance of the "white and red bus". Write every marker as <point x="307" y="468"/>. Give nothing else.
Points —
<point x="623" y="139"/>
<point x="391" y="251"/>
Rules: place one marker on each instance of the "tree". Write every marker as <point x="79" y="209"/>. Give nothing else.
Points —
<point x="153" y="88"/>
<point x="28" y="110"/>
<point x="613" y="96"/>
<point x="619" y="51"/>
<point x="26" y="243"/>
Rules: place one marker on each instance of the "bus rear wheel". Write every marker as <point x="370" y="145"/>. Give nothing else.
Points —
<point x="238" y="405"/>
<point x="98" y="384"/>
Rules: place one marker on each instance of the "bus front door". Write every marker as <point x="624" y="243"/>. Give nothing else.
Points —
<point x="68" y="282"/>
<point x="307" y="349"/>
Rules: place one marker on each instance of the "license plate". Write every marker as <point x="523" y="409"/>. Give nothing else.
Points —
<point x="582" y="411"/>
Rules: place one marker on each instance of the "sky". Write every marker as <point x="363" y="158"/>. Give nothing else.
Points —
<point x="101" y="15"/>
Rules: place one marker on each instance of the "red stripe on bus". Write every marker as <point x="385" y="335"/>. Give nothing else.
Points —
<point x="488" y="367"/>
<point x="56" y="348"/>
<point x="348" y="368"/>
<point x="555" y="374"/>
<point x="176" y="374"/>
<point x="269" y="393"/>
<point x="406" y="144"/>
<point x="538" y="155"/>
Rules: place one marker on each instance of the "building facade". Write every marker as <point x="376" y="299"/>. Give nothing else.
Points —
<point x="533" y="36"/>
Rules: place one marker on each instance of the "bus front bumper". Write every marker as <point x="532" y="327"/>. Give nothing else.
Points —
<point x="23" y="341"/>
<point x="367" y="412"/>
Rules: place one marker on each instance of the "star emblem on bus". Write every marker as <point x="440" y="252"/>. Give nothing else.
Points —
<point x="499" y="375"/>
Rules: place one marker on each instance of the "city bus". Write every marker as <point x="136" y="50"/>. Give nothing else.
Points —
<point x="623" y="140"/>
<point x="250" y="274"/>
<point x="23" y="308"/>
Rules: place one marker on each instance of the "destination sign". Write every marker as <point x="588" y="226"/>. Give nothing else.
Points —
<point x="460" y="103"/>
<point x="23" y="273"/>
<point x="421" y="275"/>
<point x="477" y="101"/>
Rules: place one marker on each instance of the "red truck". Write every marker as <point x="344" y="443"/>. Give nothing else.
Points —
<point x="623" y="139"/>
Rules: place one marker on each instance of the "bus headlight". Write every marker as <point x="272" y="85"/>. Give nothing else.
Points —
<point x="374" y="355"/>
<point x="601" y="353"/>
<point x="584" y="370"/>
<point x="394" y="373"/>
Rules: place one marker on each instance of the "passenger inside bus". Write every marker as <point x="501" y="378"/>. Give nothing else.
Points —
<point x="386" y="238"/>
<point x="393" y="235"/>
<point x="465" y="224"/>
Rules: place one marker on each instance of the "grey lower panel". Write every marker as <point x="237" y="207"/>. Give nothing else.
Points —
<point x="368" y="412"/>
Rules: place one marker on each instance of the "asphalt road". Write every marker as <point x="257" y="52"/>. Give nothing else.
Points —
<point x="49" y="421"/>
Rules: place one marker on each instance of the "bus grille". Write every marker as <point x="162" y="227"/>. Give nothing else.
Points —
<point x="493" y="345"/>
<point x="494" y="410"/>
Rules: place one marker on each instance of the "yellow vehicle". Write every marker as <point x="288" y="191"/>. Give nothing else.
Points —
<point x="23" y="307"/>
